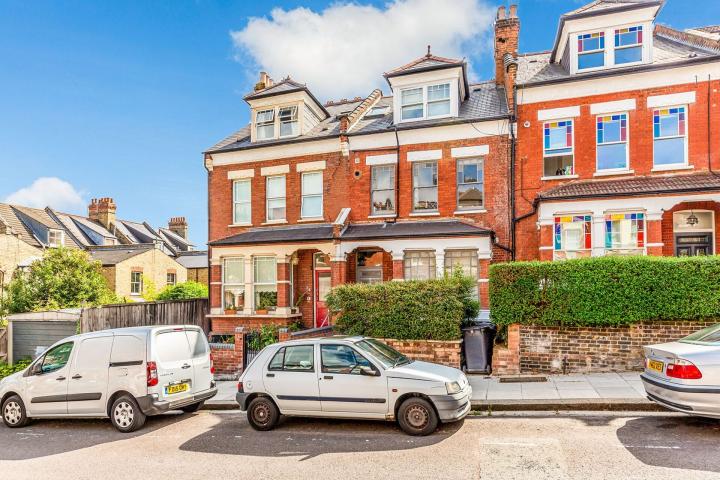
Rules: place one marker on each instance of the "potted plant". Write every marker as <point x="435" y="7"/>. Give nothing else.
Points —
<point x="266" y="300"/>
<point x="230" y="308"/>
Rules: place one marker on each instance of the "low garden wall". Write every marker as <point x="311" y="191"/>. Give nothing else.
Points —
<point x="444" y="352"/>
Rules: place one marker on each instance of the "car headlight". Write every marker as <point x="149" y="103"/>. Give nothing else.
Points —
<point x="452" y="387"/>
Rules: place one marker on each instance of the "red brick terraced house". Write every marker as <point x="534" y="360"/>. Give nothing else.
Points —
<point x="618" y="144"/>
<point x="374" y="189"/>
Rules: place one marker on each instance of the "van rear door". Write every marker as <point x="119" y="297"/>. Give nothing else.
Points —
<point x="202" y="376"/>
<point x="87" y="388"/>
<point x="172" y="355"/>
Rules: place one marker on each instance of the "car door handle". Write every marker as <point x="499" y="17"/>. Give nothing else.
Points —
<point x="185" y="366"/>
<point x="76" y="377"/>
<point x="328" y="377"/>
<point x="60" y="379"/>
<point x="269" y="374"/>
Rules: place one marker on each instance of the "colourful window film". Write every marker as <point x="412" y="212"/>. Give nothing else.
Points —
<point x="591" y="41"/>
<point x="573" y="232"/>
<point x="612" y="142"/>
<point x="558" y="137"/>
<point x="612" y="128"/>
<point x="669" y="122"/>
<point x="625" y="37"/>
<point x="669" y="131"/>
<point x="624" y="230"/>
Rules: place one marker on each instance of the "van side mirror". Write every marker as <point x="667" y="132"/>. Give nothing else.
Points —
<point x="36" y="369"/>
<point x="369" y="372"/>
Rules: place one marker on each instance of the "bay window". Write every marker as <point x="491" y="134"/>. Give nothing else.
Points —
<point x="419" y="265"/>
<point x="425" y="187"/>
<point x="670" y="137"/>
<point x="312" y="195"/>
<point x="470" y="184"/>
<point x="265" y="283"/>
<point x="265" y="124"/>
<point x="382" y="189"/>
<point x="612" y="146"/>
<point x="572" y="235"/>
<point x="233" y="284"/>
<point x="369" y="268"/>
<point x="624" y="232"/>
<point x="558" y="156"/>
<point x="242" y="211"/>
<point x="275" y="198"/>
<point x="464" y="260"/>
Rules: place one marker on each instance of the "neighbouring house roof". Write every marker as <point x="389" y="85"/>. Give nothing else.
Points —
<point x="642" y="185"/>
<point x="195" y="259"/>
<point x="605" y="6"/>
<point x="113" y="255"/>
<point x="289" y="234"/>
<point x="432" y="228"/>
<point x="287" y="85"/>
<point x="537" y="69"/>
<point x="179" y="243"/>
<point x="31" y="225"/>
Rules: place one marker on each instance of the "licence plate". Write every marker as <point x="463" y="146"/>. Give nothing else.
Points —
<point x="181" y="387"/>
<point x="655" y="365"/>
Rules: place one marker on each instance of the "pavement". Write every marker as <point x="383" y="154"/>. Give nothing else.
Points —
<point x="503" y="445"/>
<point x="598" y="391"/>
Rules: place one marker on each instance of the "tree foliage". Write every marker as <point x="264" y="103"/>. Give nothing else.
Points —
<point x="63" y="278"/>
<point x="183" y="291"/>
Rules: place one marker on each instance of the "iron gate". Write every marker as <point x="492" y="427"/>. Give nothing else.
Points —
<point x="251" y="347"/>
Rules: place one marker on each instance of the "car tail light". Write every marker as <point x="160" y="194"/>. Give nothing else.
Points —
<point x="152" y="375"/>
<point x="683" y="369"/>
<point x="241" y="389"/>
<point x="212" y="365"/>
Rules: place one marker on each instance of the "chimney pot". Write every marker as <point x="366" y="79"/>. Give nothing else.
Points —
<point x="179" y="226"/>
<point x="501" y="13"/>
<point x="513" y="11"/>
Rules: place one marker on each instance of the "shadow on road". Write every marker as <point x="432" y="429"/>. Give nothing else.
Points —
<point x="673" y="442"/>
<point x="309" y="438"/>
<point x="50" y="437"/>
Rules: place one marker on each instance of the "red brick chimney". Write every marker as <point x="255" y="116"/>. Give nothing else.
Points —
<point x="507" y="35"/>
<point x="179" y="226"/>
<point x="102" y="211"/>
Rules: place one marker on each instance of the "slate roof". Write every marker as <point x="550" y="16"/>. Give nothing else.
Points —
<point x="179" y="243"/>
<point x="426" y="62"/>
<point x="31" y="224"/>
<point x="194" y="259"/>
<point x="698" y="182"/>
<point x="284" y="86"/>
<point x="535" y="68"/>
<point x="431" y="228"/>
<point x="263" y="235"/>
<point x="603" y="6"/>
<point x="113" y="255"/>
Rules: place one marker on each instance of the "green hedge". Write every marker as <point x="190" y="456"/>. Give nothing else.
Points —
<point x="417" y="310"/>
<point x="605" y="291"/>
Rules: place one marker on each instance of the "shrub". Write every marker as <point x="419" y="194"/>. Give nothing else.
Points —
<point x="418" y="310"/>
<point x="183" y="291"/>
<point x="605" y="291"/>
<point x="267" y="335"/>
<point x="6" y="369"/>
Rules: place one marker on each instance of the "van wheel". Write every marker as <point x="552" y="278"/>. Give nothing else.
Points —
<point x="126" y="415"/>
<point x="192" y="408"/>
<point x="13" y="412"/>
<point x="262" y="414"/>
<point x="417" y="417"/>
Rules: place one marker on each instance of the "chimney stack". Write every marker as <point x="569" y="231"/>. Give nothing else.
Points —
<point x="264" y="82"/>
<point x="179" y="226"/>
<point x="507" y="35"/>
<point x="102" y="211"/>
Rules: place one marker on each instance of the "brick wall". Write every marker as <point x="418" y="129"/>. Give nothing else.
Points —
<point x="154" y="265"/>
<point x="668" y="234"/>
<point x="228" y="361"/>
<point x="436" y="351"/>
<point x="586" y="350"/>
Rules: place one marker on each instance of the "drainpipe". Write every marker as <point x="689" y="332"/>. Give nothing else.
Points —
<point x="709" y="137"/>
<point x="513" y="153"/>
<point x="397" y="173"/>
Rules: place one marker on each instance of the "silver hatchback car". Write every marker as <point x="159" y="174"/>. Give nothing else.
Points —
<point x="351" y="377"/>
<point x="685" y="375"/>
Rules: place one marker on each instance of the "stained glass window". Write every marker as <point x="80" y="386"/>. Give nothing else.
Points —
<point x="591" y="50"/>
<point x="573" y="232"/>
<point x="669" y="131"/>
<point x="612" y="142"/>
<point x="628" y="45"/>
<point x="558" y="138"/>
<point x="625" y="230"/>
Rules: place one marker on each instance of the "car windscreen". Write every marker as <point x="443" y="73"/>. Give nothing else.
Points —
<point x="385" y="354"/>
<point x="707" y="336"/>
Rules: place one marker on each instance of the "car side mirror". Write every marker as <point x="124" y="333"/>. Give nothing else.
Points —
<point x="36" y="369"/>
<point x="369" y="372"/>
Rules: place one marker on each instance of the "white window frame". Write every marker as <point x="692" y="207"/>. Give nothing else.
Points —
<point x="645" y="35"/>
<point x="425" y="102"/>
<point x="311" y="195"/>
<point x="551" y="155"/>
<point x="268" y="198"/>
<point x="255" y="280"/>
<point x="392" y="212"/>
<point x="416" y="187"/>
<point x="138" y="283"/>
<point x="225" y="284"/>
<point x="296" y="121"/>
<point x="610" y="47"/>
<point x="481" y="162"/>
<point x="578" y="54"/>
<point x="266" y="123"/>
<point x="686" y="136"/>
<point x="597" y="145"/>
<point x="59" y="241"/>
<point x="236" y="202"/>
<point x="167" y="279"/>
<point x="409" y="267"/>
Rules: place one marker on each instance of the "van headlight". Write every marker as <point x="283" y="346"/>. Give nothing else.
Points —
<point x="452" y="388"/>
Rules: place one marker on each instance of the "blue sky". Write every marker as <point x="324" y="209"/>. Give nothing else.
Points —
<point x="119" y="98"/>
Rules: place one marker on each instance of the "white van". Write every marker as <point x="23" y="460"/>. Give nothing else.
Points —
<point x="125" y="374"/>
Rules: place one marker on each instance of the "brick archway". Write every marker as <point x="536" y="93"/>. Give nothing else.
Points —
<point x="668" y="233"/>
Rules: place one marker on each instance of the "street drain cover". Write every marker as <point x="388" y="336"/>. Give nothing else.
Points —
<point x="525" y="379"/>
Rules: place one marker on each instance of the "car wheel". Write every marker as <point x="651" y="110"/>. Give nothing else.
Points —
<point x="192" y="408"/>
<point x="126" y="415"/>
<point x="417" y="417"/>
<point x="13" y="412"/>
<point x="263" y="414"/>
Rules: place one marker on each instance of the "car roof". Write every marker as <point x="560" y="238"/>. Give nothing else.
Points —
<point x="321" y="340"/>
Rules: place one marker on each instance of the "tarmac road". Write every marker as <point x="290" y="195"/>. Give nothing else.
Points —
<point x="211" y="445"/>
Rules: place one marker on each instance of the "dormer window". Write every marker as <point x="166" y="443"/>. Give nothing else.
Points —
<point x="377" y="111"/>
<point x="265" y="124"/>
<point x="425" y="102"/>
<point x="288" y="121"/>
<point x="56" y="238"/>
<point x="628" y="45"/>
<point x="591" y="50"/>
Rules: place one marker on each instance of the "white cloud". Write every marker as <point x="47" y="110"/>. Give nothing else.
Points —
<point x="343" y="50"/>
<point x="49" y="192"/>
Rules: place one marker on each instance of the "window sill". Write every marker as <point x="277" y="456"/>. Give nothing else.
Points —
<point x="464" y="212"/>
<point x="253" y="315"/>
<point x="610" y="173"/>
<point x="232" y="225"/>
<point x="275" y="222"/>
<point x="311" y="219"/>
<point x="669" y="168"/>
<point x="424" y="214"/>
<point x="560" y="177"/>
<point x="389" y="215"/>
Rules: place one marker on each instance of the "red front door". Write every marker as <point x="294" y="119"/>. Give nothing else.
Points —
<point x="322" y="288"/>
